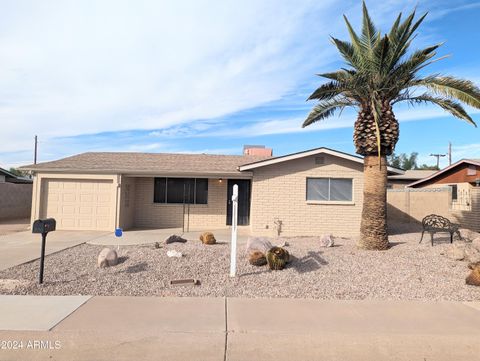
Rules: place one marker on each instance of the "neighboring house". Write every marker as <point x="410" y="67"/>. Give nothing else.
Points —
<point x="8" y="177"/>
<point x="460" y="177"/>
<point x="312" y="192"/>
<point x="410" y="176"/>
<point x="15" y="196"/>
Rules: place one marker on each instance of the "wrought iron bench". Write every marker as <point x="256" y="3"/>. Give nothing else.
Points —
<point x="434" y="223"/>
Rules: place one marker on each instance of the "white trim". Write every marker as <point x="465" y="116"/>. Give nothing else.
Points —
<point x="308" y="153"/>
<point x="468" y="161"/>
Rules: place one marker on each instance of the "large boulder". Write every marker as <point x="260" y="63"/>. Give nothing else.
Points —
<point x="476" y="243"/>
<point x="463" y="251"/>
<point x="208" y="238"/>
<point x="174" y="238"/>
<point x="107" y="258"/>
<point x="261" y="244"/>
<point x="456" y="251"/>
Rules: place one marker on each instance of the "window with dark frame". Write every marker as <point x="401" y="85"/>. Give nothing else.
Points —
<point x="330" y="189"/>
<point x="178" y="190"/>
<point x="454" y="189"/>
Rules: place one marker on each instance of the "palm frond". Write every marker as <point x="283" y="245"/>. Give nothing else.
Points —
<point x="461" y="89"/>
<point x="342" y="75"/>
<point x="369" y="31"/>
<point x="448" y="105"/>
<point x="326" y="109"/>
<point x="348" y="52"/>
<point x="327" y="91"/>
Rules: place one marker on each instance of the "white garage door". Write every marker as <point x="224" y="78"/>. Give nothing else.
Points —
<point x="79" y="204"/>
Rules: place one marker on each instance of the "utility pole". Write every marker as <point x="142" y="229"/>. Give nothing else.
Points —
<point x="449" y="153"/>
<point x="35" y="151"/>
<point x="438" y="158"/>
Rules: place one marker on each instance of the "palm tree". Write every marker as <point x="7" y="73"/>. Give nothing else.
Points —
<point x="380" y="74"/>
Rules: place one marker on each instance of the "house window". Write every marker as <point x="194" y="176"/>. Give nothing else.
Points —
<point x="330" y="189"/>
<point x="178" y="190"/>
<point x="454" y="189"/>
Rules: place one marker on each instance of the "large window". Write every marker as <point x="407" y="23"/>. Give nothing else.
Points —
<point x="329" y="189"/>
<point x="179" y="190"/>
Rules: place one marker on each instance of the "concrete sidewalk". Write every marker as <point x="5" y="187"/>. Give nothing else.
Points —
<point x="147" y="236"/>
<point x="21" y="247"/>
<point x="151" y="328"/>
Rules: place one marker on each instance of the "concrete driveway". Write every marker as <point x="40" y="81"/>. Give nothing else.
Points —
<point x="20" y="247"/>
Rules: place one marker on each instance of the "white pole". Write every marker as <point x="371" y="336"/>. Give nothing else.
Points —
<point x="233" y="253"/>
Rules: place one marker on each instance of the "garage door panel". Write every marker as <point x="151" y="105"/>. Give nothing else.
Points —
<point x="87" y="198"/>
<point x="102" y="223"/>
<point x="78" y="204"/>
<point x="69" y="197"/>
<point x="104" y="198"/>
<point x="85" y="210"/>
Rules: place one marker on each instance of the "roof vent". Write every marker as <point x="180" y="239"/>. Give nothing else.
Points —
<point x="260" y="150"/>
<point x="320" y="160"/>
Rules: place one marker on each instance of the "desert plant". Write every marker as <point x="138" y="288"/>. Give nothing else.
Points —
<point x="257" y="258"/>
<point x="208" y="238"/>
<point x="277" y="258"/>
<point x="380" y="74"/>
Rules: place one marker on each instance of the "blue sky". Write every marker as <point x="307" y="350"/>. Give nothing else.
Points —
<point x="205" y="77"/>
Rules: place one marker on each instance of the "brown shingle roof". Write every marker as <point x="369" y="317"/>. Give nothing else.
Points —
<point x="413" y="174"/>
<point x="148" y="163"/>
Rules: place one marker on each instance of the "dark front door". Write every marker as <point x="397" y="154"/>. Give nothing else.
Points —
<point x="244" y="186"/>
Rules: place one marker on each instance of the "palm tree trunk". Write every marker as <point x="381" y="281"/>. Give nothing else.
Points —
<point x="373" y="228"/>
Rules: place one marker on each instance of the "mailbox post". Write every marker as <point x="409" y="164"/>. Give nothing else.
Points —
<point x="43" y="226"/>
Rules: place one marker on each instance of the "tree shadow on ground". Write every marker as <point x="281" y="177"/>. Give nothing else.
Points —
<point x="394" y="244"/>
<point x="309" y="263"/>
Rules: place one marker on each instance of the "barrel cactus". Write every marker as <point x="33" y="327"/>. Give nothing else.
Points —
<point x="277" y="258"/>
<point x="208" y="238"/>
<point x="257" y="258"/>
<point x="473" y="278"/>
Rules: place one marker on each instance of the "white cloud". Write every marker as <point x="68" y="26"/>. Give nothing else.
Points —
<point x="70" y="68"/>
<point x="179" y="68"/>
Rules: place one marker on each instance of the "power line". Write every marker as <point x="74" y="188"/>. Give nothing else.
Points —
<point x="438" y="158"/>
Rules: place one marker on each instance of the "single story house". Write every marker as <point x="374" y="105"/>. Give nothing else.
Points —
<point x="309" y="193"/>
<point x="460" y="177"/>
<point x="397" y="181"/>
<point x="8" y="177"/>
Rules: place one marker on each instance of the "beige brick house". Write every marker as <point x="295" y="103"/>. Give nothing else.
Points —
<point x="307" y="193"/>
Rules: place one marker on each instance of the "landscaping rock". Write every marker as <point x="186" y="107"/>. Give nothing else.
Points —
<point x="283" y="244"/>
<point x="208" y="238"/>
<point x="472" y="254"/>
<point x="277" y="258"/>
<point x="173" y="253"/>
<point x="174" y="238"/>
<point x="261" y="244"/>
<point x="326" y="241"/>
<point x="476" y="243"/>
<point x="107" y="258"/>
<point x="462" y="251"/>
<point x="257" y="258"/>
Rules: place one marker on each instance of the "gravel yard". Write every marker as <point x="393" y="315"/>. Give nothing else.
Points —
<point x="408" y="271"/>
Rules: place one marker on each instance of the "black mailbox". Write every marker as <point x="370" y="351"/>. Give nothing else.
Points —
<point x="44" y="225"/>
